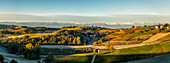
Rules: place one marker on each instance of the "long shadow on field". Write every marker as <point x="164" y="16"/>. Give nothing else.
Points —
<point x="121" y="58"/>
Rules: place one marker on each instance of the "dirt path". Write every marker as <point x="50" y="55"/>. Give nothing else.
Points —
<point x="94" y="56"/>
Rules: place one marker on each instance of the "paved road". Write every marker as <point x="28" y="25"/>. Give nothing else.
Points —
<point x="156" y="59"/>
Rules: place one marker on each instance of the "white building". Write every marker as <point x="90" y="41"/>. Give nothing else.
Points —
<point x="157" y="27"/>
<point x="162" y="26"/>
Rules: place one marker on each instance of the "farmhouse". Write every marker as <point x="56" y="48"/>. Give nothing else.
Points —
<point x="157" y="27"/>
<point x="161" y="27"/>
<point x="101" y="50"/>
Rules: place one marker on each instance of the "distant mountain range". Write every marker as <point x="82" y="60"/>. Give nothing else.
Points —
<point x="59" y="25"/>
<point x="129" y="19"/>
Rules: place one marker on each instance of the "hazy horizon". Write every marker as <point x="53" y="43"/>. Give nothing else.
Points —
<point x="86" y="11"/>
<point x="85" y="19"/>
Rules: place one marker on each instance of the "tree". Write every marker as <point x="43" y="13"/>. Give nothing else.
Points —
<point x="100" y="41"/>
<point x="29" y="46"/>
<point x="27" y="36"/>
<point x="32" y="52"/>
<point x="45" y="42"/>
<point x="78" y="40"/>
<point x="84" y="44"/>
<point x="63" y="42"/>
<point x="39" y="42"/>
<point x="94" y="43"/>
<point x="133" y="26"/>
<point x="42" y="38"/>
<point x="107" y="46"/>
<point x="13" y="61"/>
<point x="145" y="26"/>
<point x="20" y="50"/>
<point x="1" y="58"/>
<point x="166" y="24"/>
<point x="111" y="48"/>
<point x="49" y="58"/>
<point x="37" y="51"/>
<point x="1" y="35"/>
<point x="74" y="41"/>
<point x="138" y="39"/>
<point x="29" y="56"/>
<point x="94" y="50"/>
<point x="13" y="47"/>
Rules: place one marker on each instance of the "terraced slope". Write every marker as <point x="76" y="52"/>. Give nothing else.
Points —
<point x="156" y="37"/>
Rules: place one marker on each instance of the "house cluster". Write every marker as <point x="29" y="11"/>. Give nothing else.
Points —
<point x="161" y="27"/>
<point x="101" y="50"/>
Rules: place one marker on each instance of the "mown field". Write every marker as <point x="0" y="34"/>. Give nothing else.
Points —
<point x="134" y="53"/>
<point x="121" y="55"/>
<point x="75" y="58"/>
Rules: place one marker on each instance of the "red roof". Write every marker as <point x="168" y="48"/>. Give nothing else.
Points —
<point x="95" y="33"/>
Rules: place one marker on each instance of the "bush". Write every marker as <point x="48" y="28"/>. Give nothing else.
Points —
<point x="13" y="61"/>
<point x="13" y="47"/>
<point x="49" y="58"/>
<point x="32" y="52"/>
<point x="2" y="58"/>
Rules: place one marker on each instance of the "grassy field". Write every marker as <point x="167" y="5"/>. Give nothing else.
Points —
<point x="156" y="37"/>
<point x="134" y="53"/>
<point x="79" y="58"/>
<point x="132" y="34"/>
<point x="31" y="35"/>
<point x="121" y="55"/>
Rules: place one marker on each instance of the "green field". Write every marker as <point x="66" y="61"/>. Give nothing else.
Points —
<point x="121" y="55"/>
<point x="74" y="59"/>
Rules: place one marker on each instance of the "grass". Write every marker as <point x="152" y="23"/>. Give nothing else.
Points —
<point x="120" y="55"/>
<point x="132" y="34"/>
<point x="74" y="59"/>
<point x="31" y="35"/>
<point x="83" y="54"/>
<point x="156" y="37"/>
<point x="108" y="30"/>
<point x="134" y="53"/>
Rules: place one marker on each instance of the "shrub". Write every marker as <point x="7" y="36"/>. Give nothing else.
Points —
<point x="13" y="61"/>
<point x="2" y="58"/>
<point x="13" y="47"/>
<point x="49" y="58"/>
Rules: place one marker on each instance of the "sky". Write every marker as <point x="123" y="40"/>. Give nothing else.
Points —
<point x="86" y="11"/>
<point x="85" y="7"/>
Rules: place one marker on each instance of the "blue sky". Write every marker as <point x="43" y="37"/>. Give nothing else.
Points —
<point x="85" y="7"/>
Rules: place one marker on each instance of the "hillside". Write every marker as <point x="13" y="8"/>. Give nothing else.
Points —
<point x="120" y="55"/>
<point x="5" y="26"/>
<point x="71" y="35"/>
<point x="156" y="37"/>
<point x="79" y="39"/>
<point x="133" y="35"/>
